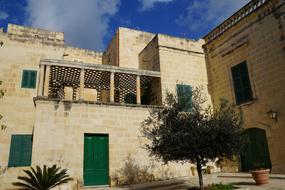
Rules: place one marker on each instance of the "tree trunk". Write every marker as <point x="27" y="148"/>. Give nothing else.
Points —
<point x="199" y="170"/>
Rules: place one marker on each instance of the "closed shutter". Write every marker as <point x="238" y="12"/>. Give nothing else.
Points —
<point x="20" y="150"/>
<point x="25" y="79"/>
<point x="15" y="151"/>
<point x="29" y="79"/>
<point x="241" y="83"/>
<point x="33" y="79"/>
<point x="184" y="94"/>
<point x="27" y="150"/>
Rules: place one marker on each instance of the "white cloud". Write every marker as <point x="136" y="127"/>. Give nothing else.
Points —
<point x="3" y="15"/>
<point x="149" y="4"/>
<point x="85" y="23"/>
<point x="202" y="14"/>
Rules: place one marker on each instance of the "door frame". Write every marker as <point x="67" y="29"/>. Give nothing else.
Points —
<point x="97" y="134"/>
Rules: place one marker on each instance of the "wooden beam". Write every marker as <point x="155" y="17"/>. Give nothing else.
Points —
<point x="99" y="67"/>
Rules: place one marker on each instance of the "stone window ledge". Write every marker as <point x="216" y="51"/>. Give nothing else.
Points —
<point x="248" y="103"/>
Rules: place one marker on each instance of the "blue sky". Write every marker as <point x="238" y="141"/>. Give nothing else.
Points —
<point x="91" y="24"/>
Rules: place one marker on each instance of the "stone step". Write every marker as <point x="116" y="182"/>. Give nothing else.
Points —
<point x="166" y="184"/>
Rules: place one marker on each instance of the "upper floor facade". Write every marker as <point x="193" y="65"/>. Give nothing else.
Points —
<point x="136" y="68"/>
<point x="245" y="64"/>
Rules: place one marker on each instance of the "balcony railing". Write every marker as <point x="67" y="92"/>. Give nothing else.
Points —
<point x="95" y="82"/>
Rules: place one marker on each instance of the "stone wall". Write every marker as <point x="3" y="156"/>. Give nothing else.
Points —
<point x="22" y="49"/>
<point x="259" y="40"/>
<point x="181" y="61"/>
<point x="110" y="55"/>
<point x="149" y="56"/>
<point x="65" y="123"/>
<point x="82" y="55"/>
<point x="34" y="34"/>
<point x="131" y="43"/>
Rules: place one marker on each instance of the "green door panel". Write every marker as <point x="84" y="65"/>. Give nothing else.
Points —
<point x="255" y="153"/>
<point x="96" y="160"/>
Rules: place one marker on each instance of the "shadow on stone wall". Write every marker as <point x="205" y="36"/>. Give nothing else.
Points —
<point x="133" y="173"/>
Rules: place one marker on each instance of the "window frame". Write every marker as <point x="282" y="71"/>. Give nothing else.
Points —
<point x="29" y="84"/>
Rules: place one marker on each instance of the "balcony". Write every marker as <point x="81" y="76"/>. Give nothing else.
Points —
<point x="77" y="81"/>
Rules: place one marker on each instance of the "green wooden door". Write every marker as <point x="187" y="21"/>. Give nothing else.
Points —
<point x="96" y="160"/>
<point x="255" y="154"/>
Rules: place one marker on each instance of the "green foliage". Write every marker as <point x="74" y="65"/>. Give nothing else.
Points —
<point x="43" y="179"/>
<point x="2" y="92"/>
<point x="221" y="187"/>
<point x="197" y="136"/>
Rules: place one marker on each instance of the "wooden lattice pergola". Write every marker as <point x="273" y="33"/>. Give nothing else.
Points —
<point x="123" y="84"/>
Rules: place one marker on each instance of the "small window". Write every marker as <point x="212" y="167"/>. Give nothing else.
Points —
<point x="241" y="82"/>
<point x="184" y="94"/>
<point x="20" y="150"/>
<point x="29" y="79"/>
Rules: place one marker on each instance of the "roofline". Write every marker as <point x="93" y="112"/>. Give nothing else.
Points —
<point x="239" y="15"/>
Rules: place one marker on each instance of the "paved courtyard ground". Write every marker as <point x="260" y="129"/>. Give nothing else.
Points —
<point x="242" y="181"/>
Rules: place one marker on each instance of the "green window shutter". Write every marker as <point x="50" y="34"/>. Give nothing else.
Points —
<point x="241" y="83"/>
<point x="27" y="150"/>
<point x="33" y="79"/>
<point x="25" y="79"/>
<point x="184" y="94"/>
<point x="20" y="150"/>
<point x="29" y="79"/>
<point x="15" y="151"/>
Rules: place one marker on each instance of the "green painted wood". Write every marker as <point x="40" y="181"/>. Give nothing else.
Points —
<point x="20" y="150"/>
<point x="25" y="79"/>
<point x="241" y="83"/>
<point x="184" y="95"/>
<point x="255" y="154"/>
<point x="96" y="160"/>
<point x="29" y="79"/>
<point x="33" y="79"/>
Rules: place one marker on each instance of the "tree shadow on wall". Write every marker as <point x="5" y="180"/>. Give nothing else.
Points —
<point x="132" y="173"/>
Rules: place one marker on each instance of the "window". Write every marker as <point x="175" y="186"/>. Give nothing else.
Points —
<point x="29" y="79"/>
<point x="184" y="94"/>
<point x="241" y="82"/>
<point x="20" y="150"/>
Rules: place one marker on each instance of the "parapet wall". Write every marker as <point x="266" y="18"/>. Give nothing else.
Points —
<point x="30" y="38"/>
<point x="180" y="44"/>
<point x="34" y="33"/>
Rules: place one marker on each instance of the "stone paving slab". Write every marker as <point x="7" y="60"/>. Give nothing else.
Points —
<point x="243" y="181"/>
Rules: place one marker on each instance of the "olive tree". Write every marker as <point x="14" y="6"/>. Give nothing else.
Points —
<point x="197" y="135"/>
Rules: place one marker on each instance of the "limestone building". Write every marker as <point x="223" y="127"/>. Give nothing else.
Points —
<point x="245" y="58"/>
<point x="75" y="107"/>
